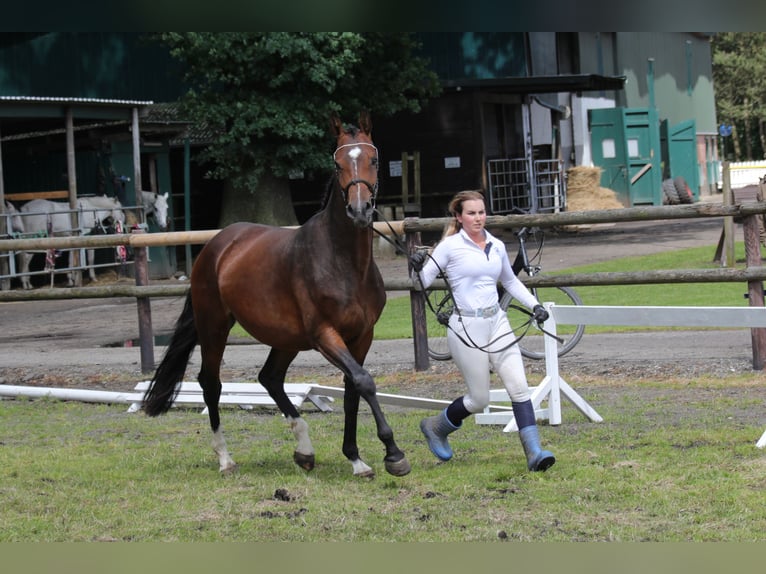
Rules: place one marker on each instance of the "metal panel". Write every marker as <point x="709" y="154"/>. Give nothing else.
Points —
<point x="510" y="187"/>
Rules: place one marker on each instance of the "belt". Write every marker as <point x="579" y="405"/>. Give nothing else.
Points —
<point x="483" y="313"/>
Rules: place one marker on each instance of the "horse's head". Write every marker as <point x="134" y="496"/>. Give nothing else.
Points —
<point x="161" y="210"/>
<point x="16" y="223"/>
<point x="157" y="205"/>
<point x="356" y="168"/>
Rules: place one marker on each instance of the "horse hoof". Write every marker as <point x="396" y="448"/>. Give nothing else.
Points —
<point x="398" y="468"/>
<point x="305" y="461"/>
<point x="228" y="470"/>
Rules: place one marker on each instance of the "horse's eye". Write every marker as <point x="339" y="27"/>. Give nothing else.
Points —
<point x="337" y="166"/>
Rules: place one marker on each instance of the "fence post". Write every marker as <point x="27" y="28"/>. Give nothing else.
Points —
<point x="728" y="258"/>
<point x="143" y="304"/>
<point x="755" y="288"/>
<point x="418" y="309"/>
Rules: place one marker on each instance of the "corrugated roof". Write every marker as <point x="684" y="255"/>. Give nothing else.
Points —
<point x="67" y="100"/>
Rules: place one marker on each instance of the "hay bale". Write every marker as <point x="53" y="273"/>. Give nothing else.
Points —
<point x="584" y="192"/>
<point x="583" y="179"/>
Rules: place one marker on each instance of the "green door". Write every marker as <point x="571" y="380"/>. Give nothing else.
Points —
<point x="608" y="150"/>
<point x="625" y="143"/>
<point x="682" y="154"/>
<point x="642" y="142"/>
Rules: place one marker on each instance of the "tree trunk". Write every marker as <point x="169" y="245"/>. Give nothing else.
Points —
<point x="735" y="142"/>
<point x="271" y="203"/>
<point x="748" y="132"/>
<point x="762" y="137"/>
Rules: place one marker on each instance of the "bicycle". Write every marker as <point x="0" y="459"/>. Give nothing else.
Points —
<point x="532" y="345"/>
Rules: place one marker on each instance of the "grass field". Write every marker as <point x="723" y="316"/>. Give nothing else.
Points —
<point x="674" y="460"/>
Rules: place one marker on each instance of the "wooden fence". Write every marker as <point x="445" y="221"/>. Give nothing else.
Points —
<point x="410" y="228"/>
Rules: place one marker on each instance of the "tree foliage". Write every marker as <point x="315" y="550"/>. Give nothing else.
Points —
<point x="739" y="76"/>
<point x="266" y="97"/>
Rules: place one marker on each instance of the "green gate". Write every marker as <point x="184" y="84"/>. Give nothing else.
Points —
<point x="625" y="144"/>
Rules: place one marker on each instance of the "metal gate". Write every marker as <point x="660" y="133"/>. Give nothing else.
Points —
<point x="510" y="186"/>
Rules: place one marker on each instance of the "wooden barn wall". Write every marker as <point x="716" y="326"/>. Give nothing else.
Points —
<point x="447" y="128"/>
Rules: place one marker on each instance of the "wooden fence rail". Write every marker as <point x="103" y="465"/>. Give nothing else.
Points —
<point x="754" y="274"/>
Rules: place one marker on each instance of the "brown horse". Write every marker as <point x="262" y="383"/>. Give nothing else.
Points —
<point x="314" y="287"/>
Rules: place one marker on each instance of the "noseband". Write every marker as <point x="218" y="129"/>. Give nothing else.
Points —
<point x="373" y="187"/>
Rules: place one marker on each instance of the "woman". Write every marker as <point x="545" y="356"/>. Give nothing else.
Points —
<point x="479" y="334"/>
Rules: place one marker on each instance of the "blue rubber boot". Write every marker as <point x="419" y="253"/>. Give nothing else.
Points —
<point x="436" y="429"/>
<point x="537" y="458"/>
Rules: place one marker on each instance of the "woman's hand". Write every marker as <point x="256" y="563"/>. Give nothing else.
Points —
<point x="539" y="314"/>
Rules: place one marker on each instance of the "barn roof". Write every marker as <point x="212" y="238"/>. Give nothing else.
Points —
<point x="572" y="83"/>
<point x="25" y="117"/>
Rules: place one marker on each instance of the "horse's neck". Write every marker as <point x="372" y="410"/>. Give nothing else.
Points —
<point x="347" y="240"/>
<point x="147" y="200"/>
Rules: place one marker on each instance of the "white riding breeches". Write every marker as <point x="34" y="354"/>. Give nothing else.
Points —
<point x="474" y="356"/>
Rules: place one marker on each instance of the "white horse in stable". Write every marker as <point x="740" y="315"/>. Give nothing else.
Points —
<point x="53" y="218"/>
<point x="156" y="204"/>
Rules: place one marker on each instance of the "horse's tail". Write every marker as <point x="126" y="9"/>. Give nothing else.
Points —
<point x="165" y="384"/>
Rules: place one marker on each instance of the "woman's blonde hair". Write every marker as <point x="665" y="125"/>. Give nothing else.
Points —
<point x="456" y="206"/>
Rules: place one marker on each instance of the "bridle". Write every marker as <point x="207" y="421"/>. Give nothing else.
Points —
<point x="373" y="187"/>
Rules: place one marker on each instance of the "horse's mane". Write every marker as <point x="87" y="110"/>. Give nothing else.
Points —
<point x="332" y="181"/>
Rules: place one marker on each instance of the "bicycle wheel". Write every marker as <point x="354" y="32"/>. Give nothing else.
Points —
<point x="441" y="302"/>
<point x="532" y="345"/>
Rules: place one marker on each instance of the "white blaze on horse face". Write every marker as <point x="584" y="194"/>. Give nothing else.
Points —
<point x="354" y="154"/>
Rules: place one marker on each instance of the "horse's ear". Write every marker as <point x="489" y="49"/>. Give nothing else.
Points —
<point x="365" y="123"/>
<point x="336" y="126"/>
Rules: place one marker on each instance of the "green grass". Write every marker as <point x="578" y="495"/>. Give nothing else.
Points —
<point x="672" y="461"/>
<point x="396" y="320"/>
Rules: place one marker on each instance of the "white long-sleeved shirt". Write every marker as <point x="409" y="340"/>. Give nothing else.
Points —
<point x="472" y="273"/>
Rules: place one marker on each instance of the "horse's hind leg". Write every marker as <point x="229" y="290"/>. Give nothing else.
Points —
<point x="211" y="350"/>
<point x="90" y="264"/>
<point x="23" y="259"/>
<point x="272" y="377"/>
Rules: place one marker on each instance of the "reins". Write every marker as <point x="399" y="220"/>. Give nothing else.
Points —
<point x="400" y="247"/>
<point x="456" y="310"/>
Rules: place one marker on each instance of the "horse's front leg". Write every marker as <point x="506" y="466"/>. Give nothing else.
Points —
<point x="335" y="350"/>
<point x="351" y="413"/>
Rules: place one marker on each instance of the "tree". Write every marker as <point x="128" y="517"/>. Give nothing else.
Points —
<point x="267" y="97"/>
<point x="739" y="76"/>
